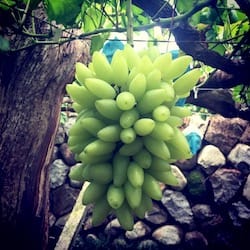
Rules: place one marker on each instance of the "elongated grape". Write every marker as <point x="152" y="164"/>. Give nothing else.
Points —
<point x="151" y="100"/>
<point x="153" y="52"/>
<point x="102" y="67"/>
<point x="180" y="111"/>
<point x="119" y="64"/>
<point x="145" y="65"/>
<point x="131" y="148"/>
<point x="100" y="88"/>
<point x="81" y="95"/>
<point x="145" y="205"/>
<point x="93" y="192"/>
<point x="144" y="126"/>
<point x="174" y="121"/>
<point x="135" y="174"/>
<point x="177" y="67"/>
<point x="128" y="118"/>
<point x="143" y="158"/>
<point x="100" y="211"/>
<point x="115" y="196"/>
<point x="151" y="187"/>
<point x="159" y="164"/>
<point x="99" y="147"/>
<point x="165" y="177"/>
<point x="133" y="195"/>
<point x="131" y="56"/>
<point x="157" y="147"/>
<point x="82" y="72"/>
<point x="108" y="108"/>
<point x="154" y="79"/>
<point x="187" y="81"/>
<point x="101" y="173"/>
<point x="92" y="125"/>
<point x="93" y="159"/>
<point x="125" y="217"/>
<point x="138" y="86"/>
<point x="161" y="113"/>
<point x="162" y="131"/>
<point x="169" y="91"/>
<point x="120" y="166"/>
<point x="162" y="62"/>
<point x="110" y="133"/>
<point x="125" y="100"/>
<point x="127" y="135"/>
<point x="76" y="173"/>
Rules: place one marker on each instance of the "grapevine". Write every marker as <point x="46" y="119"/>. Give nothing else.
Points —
<point x="127" y="131"/>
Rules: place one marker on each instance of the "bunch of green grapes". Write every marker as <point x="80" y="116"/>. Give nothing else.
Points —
<point x="127" y="131"/>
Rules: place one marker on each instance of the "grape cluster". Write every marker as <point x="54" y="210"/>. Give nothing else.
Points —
<point x="127" y="131"/>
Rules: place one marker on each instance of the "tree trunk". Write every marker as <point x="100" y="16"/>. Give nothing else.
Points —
<point x="32" y="84"/>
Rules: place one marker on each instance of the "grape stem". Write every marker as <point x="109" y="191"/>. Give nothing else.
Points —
<point x="130" y="22"/>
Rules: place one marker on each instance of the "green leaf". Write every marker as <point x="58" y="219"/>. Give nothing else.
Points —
<point x="92" y="19"/>
<point x="33" y="3"/>
<point x="97" y="42"/>
<point x="63" y="11"/>
<point x="4" y="44"/>
<point x="6" y="4"/>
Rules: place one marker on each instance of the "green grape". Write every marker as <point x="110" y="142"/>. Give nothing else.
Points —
<point x="99" y="147"/>
<point x="81" y="95"/>
<point x="133" y="195"/>
<point x="145" y="65"/>
<point x="177" y="67"/>
<point x="100" y="211"/>
<point x="145" y="205"/>
<point x="120" y="166"/>
<point x="154" y="79"/>
<point x="128" y="118"/>
<point x="161" y="113"/>
<point x="151" y="100"/>
<point x="108" y="108"/>
<point x="174" y="121"/>
<point x="138" y="86"/>
<point x="143" y="158"/>
<point x="125" y="216"/>
<point x="187" y="81"/>
<point x="125" y="100"/>
<point x="131" y="148"/>
<point x="127" y="135"/>
<point x="102" y="67"/>
<point x="144" y="126"/>
<point x="169" y="90"/>
<point x="157" y="147"/>
<point x="131" y="56"/>
<point x="100" y="88"/>
<point x="101" y="173"/>
<point x="151" y="187"/>
<point x="162" y="62"/>
<point x="94" y="192"/>
<point x="180" y="111"/>
<point x="135" y="174"/>
<point x="159" y="164"/>
<point x="92" y="159"/>
<point x="82" y="72"/>
<point x="119" y="64"/>
<point x="110" y="133"/>
<point x="75" y="173"/>
<point x="115" y="196"/>
<point x="162" y="131"/>
<point x="92" y="125"/>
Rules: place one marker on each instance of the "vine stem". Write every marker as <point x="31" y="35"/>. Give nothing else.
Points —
<point x="130" y="22"/>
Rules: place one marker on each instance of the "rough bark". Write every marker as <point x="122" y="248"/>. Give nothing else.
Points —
<point x="32" y="84"/>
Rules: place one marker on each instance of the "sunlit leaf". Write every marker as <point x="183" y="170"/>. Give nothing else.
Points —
<point x="4" y="44"/>
<point x="97" y="42"/>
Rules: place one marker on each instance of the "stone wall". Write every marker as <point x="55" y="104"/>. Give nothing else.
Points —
<point x="210" y="209"/>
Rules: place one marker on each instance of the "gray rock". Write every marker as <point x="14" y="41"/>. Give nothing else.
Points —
<point x="195" y="241"/>
<point x="58" y="172"/>
<point x="169" y="235"/>
<point x="140" y="230"/>
<point x="60" y="135"/>
<point x="187" y="164"/>
<point x="182" y="180"/>
<point x="246" y="189"/>
<point x="225" y="132"/>
<point x="239" y="213"/>
<point x="245" y="138"/>
<point x="61" y="221"/>
<point x="63" y="200"/>
<point x="55" y="154"/>
<point x="240" y="154"/>
<point x="67" y="156"/>
<point x="156" y="216"/>
<point x="202" y="212"/>
<point x="178" y="207"/>
<point x="211" y="158"/>
<point x="225" y="183"/>
<point x="113" y="228"/>
<point x="147" y="245"/>
<point x="68" y="124"/>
